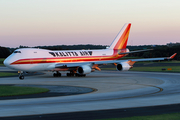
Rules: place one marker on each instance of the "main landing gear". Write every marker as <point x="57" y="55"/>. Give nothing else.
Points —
<point x="21" y="76"/>
<point x="57" y="74"/>
<point x="80" y="75"/>
<point x="71" y="74"/>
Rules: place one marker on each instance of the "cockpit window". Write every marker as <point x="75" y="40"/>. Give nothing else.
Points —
<point x="17" y="51"/>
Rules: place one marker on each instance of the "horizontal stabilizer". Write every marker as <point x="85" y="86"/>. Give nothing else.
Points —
<point x="134" y="51"/>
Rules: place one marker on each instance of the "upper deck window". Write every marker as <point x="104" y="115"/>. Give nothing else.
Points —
<point x="17" y="51"/>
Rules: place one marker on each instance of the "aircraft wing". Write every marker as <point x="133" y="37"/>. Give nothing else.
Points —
<point x="154" y="59"/>
<point x="95" y="64"/>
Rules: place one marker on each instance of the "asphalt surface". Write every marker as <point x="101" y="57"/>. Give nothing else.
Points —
<point x="103" y="114"/>
<point x="119" y="94"/>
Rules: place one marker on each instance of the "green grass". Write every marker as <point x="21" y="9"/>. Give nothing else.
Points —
<point x="173" y="116"/>
<point x="151" y="69"/>
<point x="5" y="74"/>
<point x="15" y="90"/>
<point x="157" y="69"/>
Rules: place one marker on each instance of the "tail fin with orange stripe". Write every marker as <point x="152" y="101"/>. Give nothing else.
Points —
<point x="121" y="39"/>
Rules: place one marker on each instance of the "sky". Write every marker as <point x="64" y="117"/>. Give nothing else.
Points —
<point x="67" y="22"/>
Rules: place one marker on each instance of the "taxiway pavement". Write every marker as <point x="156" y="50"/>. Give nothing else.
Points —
<point x="115" y="90"/>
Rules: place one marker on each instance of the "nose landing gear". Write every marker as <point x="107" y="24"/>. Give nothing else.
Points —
<point x="21" y="76"/>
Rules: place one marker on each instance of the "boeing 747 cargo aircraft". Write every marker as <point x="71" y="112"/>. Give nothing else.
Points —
<point x="77" y="62"/>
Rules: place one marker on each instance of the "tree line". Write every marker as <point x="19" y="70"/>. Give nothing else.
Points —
<point x="4" y="52"/>
<point x="158" y="51"/>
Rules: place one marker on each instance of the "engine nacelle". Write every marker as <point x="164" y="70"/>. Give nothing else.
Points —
<point x="123" y="66"/>
<point x="85" y="69"/>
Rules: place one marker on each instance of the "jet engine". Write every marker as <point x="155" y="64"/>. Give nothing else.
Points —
<point x="85" y="69"/>
<point x="123" y="66"/>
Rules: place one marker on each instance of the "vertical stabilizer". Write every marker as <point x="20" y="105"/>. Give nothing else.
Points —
<point x="121" y="39"/>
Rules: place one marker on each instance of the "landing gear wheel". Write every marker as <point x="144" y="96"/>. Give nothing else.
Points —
<point x="21" y="77"/>
<point x="71" y="74"/>
<point x="76" y="74"/>
<point x="67" y="74"/>
<point x="80" y="75"/>
<point x="57" y="74"/>
<point x="83" y="75"/>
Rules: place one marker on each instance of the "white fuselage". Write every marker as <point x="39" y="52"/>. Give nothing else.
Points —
<point x="31" y="59"/>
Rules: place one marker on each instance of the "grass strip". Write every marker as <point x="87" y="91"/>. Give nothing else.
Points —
<point x="5" y="74"/>
<point x="151" y="69"/>
<point x="172" y="116"/>
<point x="16" y="90"/>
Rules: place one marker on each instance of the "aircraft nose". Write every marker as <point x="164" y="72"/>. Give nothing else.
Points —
<point x="6" y="62"/>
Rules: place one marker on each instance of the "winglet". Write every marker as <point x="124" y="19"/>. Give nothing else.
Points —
<point x="172" y="56"/>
